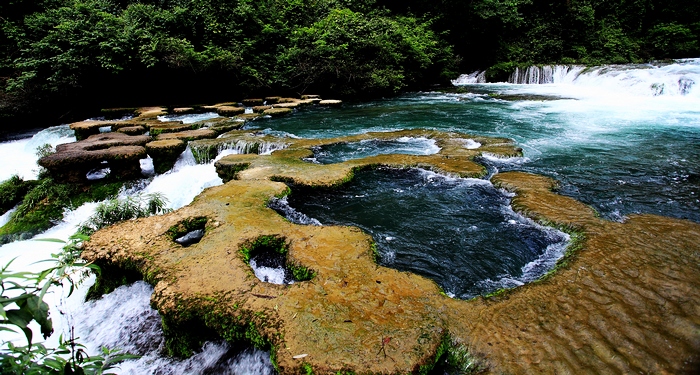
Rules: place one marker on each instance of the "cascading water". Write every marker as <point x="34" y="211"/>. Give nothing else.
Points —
<point x="475" y="77"/>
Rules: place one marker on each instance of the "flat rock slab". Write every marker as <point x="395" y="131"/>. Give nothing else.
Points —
<point x="132" y="130"/>
<point x="164" y="153"/>
<point x="331" y="103"/>
<point x="169" y="127"/>
<point x="72" y="161"/>
<point x="253" y="102"/>
<point x="274" y="112"/>
<point x="189" y="135"/>
<point x="229" y="110"/>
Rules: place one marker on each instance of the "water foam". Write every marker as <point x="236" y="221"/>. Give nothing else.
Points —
<point x="124" y="319"/>
<point x="23" y="152"/>
<point x="189" y="118"/>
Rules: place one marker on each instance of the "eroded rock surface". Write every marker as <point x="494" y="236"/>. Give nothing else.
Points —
<point x="121" y="152"/>
<point x="627" y="300"/>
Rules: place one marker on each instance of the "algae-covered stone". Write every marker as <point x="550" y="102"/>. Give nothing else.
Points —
<point x="248" y="116"/>
<point x="229" y="110"/>
<point x="288" y="105"/>
<point x="189" y="135"/>
<point x="151" y="112"/>
<point x="169" y="127"/>
<point x="164" y="153"/>
<point x="261" y="108"/>
<point x="84" y="129"/>
<point x="72" y="161"/>
<point x="274" y="112"/>
<point x="183" y="110"/>
<point x="331" y="103"/>
<point x="132" y="130"/>
<point x="252" y="102"/>
<point x="287" y="100"/>
<point x="272" y="99"/>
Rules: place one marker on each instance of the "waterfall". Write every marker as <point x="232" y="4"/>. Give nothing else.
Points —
<point x="536" y="75"/>
<point x="475" y="77"/>
<point x="204" y="154"/>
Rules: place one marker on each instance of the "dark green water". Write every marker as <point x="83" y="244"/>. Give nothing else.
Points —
<point x="459" y="232"/>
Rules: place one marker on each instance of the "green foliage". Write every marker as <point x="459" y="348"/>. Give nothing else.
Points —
<point x="12" y="191"/>
<point x="21" y="302"/>
<point x="187" y="226"/>
<point x="279" y="245"/>
<point x="116" y="210"/>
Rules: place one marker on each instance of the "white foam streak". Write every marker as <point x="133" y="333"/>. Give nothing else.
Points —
<point x="185" y="181"/>
<point x="268" y="274"/>
<point x="504" y="160"/>
<point x="189" y="118"/>
<point x="20" y="156"/>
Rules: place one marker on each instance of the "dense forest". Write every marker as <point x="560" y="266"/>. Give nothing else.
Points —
<point x="58" y="56"/>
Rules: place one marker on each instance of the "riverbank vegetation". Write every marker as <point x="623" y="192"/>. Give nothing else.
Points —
<point x="57" y="56"/>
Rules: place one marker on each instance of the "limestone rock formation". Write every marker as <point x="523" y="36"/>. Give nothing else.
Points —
<point x="120" y="152"/>
<point x="164" y="153"/>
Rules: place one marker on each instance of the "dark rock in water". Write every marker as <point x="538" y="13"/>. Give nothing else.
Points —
<point x="190" y="238"/>
<point x="72" y="161"/>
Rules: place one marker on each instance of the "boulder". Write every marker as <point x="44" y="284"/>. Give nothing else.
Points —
<point x="164" y="153"/>
<point x="120" y="152"/>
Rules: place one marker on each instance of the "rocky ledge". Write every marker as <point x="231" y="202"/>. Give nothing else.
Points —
<point x="118" y="151"/>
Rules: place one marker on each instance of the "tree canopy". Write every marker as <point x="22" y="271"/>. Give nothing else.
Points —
<point x="58" y="54"/>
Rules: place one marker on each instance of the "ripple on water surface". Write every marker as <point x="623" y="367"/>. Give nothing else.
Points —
<point x="459" y="232"/>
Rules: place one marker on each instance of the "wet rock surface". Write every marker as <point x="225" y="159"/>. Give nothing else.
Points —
<point x="121" y="152"/>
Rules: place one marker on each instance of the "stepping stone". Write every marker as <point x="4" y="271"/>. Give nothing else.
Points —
<point x="169" y="127"/>
<point x="288" y="105"/>
<point x="121" y="152"/>
<point x="229" y="110"/>
<point x="274" y="112"/>
<point x="261" y="108"/>
<point x="165" y="153"/>
<point x="132" y="130"/>
<point x="183" y="110"/>
<point x="189" y="135"/>
<point x="252" y="102"/>
<point x="310" y="97"/>
<point x="248" y="116"/>
<point x="331" y="103"/>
